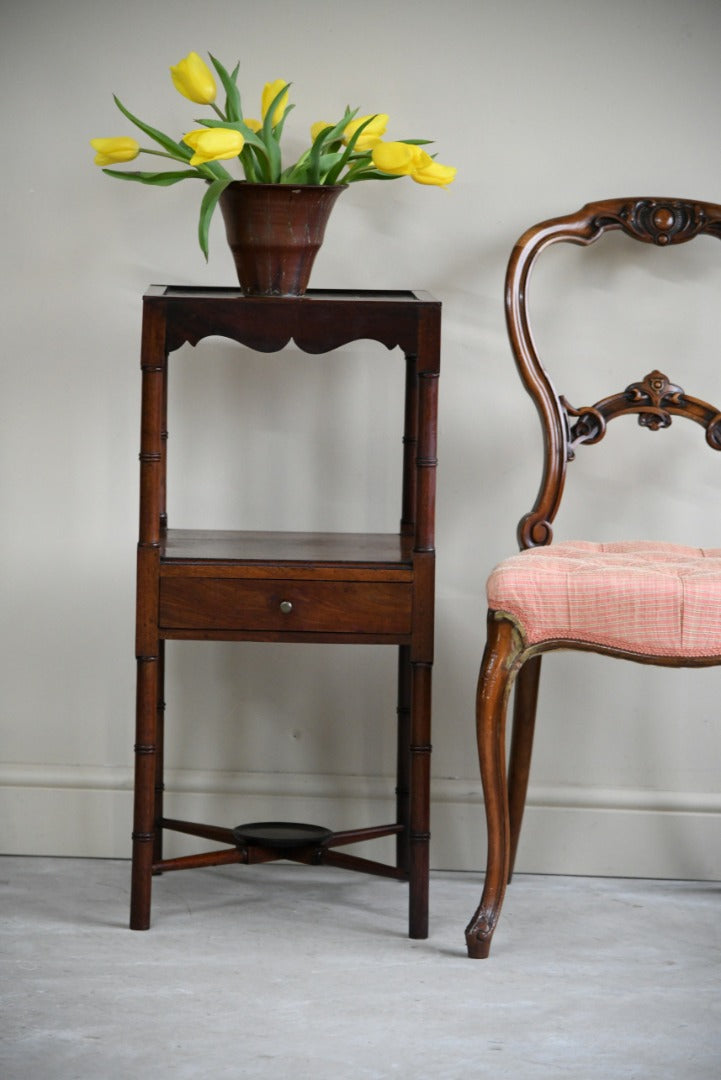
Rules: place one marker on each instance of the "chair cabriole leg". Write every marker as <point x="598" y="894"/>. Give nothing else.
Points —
<point x="519" y="760"/>
<point x="494" y="681"/>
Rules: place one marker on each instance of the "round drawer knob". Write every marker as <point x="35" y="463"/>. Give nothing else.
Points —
<point x="286" y="607"/>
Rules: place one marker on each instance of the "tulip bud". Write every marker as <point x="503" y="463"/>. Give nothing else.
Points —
<point x="270" y="91"/>
<point x="213" y="144"/>
<point x="371" y="134"/>
<point x="114" y="151"/>
<point x="396" y="158"/>
<point x="402" y="159"/>
<point x="435" y="174"/>
<point x="320" y="125"/>
<point x="193" y="79"/>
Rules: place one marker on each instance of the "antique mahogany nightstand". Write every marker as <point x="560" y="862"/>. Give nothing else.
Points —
<point x="286" y="586"/>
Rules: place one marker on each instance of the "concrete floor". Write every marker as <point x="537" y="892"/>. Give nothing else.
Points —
<point x="295" y="972"/>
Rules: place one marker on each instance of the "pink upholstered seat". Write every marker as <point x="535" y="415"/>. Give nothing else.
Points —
<point x="652" y="598"/>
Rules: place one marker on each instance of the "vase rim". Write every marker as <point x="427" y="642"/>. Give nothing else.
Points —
<point x="286" y="187"/>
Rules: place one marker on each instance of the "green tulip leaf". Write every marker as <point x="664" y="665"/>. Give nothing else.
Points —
<point x="352" y="177"/>
<point x="176" y="149"/>
<point x="332" y="176"/>
<point x="324" y="141"/>
<point x="272" y="161"/>
<point x="213" y="170"/>
<point x="155" y="179"/>
<point x="247" y="160"/>
<point x="314" y="158"/>
<point x="270" y="135"/>
<point x="278" y="130"/>
<point x="233" y="108"/>
<point x="207" y="207"/>
<point x="297" y="174"/>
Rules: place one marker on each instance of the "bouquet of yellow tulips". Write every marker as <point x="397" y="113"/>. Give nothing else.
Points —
<point x="340" y="153"/>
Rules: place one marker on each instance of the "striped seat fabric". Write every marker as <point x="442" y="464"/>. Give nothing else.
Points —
<point x="655" y="599"/>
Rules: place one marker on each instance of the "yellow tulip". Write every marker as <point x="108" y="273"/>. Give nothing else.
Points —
<point x="254" y="125"/>
<point x="400" y="159"/>
<point x="396" y="158"/>
<point x="213" y="144"/>
<point x="113" y="151"/>
<point x="434" y="174"/>
<point x="371" y="135"/>
<point x="193" y="79"/>
<point x="270" y="90"/>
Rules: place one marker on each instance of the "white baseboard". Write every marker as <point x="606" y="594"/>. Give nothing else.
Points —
<point x="87" y="811"/>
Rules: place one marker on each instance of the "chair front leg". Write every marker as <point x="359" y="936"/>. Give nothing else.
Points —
<point x="494" y="682"/>
<point x="519" y="761"/>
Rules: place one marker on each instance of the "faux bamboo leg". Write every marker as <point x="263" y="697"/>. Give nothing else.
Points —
<point x="159" y="759"/>
<point x="148" y="649"/>
<point x="144" y="809"/>
<point x="422" y="644"/>
<point x="403" y="757"/>
<point x="407" y="526"/>
<point x="420" y="800"/>
<point x="493" y="687"/>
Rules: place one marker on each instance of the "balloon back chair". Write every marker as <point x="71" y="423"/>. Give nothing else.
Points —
<point x="655" y="603"/>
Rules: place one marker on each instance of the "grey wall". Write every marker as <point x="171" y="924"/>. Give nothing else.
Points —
<point x="541" y="106"/>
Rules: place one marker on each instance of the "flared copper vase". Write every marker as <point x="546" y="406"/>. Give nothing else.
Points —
<point x="274" y="232"/>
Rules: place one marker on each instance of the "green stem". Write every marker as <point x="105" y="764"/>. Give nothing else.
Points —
<point x="203" y="170"/>
<point x="248" y="163"/>
<point x="161" y="153"/>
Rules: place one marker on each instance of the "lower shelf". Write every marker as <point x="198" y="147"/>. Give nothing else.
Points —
<point x="268" y="841"/>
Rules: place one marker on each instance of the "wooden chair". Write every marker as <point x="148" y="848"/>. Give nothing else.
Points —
<point x="655" y="603"/>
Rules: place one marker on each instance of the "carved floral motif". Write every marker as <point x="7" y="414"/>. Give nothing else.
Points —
<point x="654" y="399"/>
<point x="654" y="395"/>
<point x="661" y="222"/>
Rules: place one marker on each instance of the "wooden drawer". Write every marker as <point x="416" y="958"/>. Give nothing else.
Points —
<point x="206" y="603"/>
